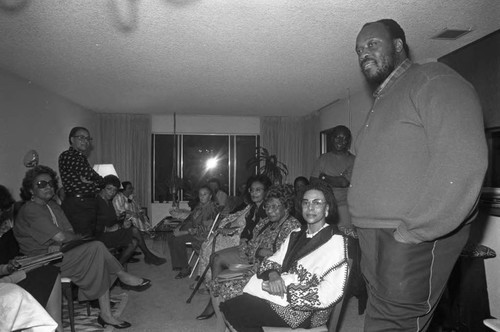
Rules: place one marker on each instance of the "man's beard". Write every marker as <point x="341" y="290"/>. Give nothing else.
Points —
<point x="383" y="70"/>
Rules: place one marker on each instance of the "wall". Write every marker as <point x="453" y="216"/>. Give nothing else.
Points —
<point x="33" y="118"/>
<point x="479" y="63"/>
<point x="206" y="124"/>
<point x="350" y="112"/>
<point x="199" y="124"/>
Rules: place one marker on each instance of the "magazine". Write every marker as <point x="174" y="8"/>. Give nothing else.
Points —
<point x="29" y="263"/>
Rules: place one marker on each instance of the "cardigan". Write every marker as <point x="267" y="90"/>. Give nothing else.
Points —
<point x="315" y="275"/>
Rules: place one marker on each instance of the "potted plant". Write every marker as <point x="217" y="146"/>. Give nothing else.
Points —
<point x="268" y="165"/>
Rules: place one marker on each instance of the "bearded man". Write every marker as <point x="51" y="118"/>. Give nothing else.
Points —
<point x="420" y="161"/>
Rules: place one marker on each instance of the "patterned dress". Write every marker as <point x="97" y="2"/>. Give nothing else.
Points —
<point x="218" y="242"/>
<point x="266" y="235"/>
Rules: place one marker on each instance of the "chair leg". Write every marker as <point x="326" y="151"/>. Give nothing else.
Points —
<point x="194" y="266"/>
<point x="88" y="308"/>
<point x="193" y="252"/>
<point x="198" y="284"/>
<point x="68" y="293"/>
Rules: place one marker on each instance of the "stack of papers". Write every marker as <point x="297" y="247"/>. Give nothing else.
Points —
<point x="28" y="263"/>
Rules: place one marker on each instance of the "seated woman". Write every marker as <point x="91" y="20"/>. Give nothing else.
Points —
<point x="42" y="227"/>
<point x="299" y="285"/>
<point x="118" y="233"/>
<point x="193" y="229"/>
<point x="124" y="202"/>
<point x="21" y="312"/>
<point x="43" y="283"/>
<point x="230" y="228"/>
<point x="268" y="236"/>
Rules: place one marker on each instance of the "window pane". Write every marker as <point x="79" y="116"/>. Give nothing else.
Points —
<point x="204" y="157"/>
<point x="245" y="149"/>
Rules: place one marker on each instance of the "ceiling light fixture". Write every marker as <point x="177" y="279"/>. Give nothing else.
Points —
<point x="451" y="34"/>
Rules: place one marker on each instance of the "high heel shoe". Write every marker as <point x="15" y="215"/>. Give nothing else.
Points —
<point x="145" y="284"/>
<point x="207" y="316"/>
<point x="103" y="323"/>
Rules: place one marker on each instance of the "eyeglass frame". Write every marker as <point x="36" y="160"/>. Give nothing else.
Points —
<point x="51" y="183"/>
<point x="273" y="207"/>
<point x="315" y="203"/>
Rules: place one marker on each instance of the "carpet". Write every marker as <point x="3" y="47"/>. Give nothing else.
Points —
<point x="84" y="323"/>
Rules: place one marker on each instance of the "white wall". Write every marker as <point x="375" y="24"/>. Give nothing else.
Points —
<point x="33" y="118"/>
<point x="350" y="112"/>
<point x="206" y="124"/>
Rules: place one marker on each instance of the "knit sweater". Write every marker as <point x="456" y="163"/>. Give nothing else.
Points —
<point x="421" y="155"/>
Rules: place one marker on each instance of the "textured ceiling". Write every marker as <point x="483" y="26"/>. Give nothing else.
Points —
<point x="273" y="57"/>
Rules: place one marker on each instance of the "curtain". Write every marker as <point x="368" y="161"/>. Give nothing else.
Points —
<point x="294" y="141"/>
<point x="124" y="140"/>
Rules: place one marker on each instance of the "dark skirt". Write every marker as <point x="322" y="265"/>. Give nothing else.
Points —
<point x="120" y="238"/>
<point x="39" y="282"/>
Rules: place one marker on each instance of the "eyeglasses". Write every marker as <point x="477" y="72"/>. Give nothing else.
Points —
<point x="315" y="203"/>
<point x="272" y="207"/>
<point x="43" y="184"/>
<point x="84" y="138"/>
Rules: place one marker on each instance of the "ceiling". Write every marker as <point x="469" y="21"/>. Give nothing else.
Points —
<point x="224" y="57"/>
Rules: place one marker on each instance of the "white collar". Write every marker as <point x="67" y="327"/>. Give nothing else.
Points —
<point x="309" y="235"/>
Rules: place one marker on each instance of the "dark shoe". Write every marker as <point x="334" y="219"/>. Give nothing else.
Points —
<point x="203" y="317"/>
<point x="182" y="275"/>
<point x="155" y="260"/>
<point x="103" y="323"/>
<point x="136" y="253"/>
<point x="145" y="284"/>
<point x="133" y="260"/>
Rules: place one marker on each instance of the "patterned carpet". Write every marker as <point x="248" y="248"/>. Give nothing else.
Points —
<point x="84" y="323"/>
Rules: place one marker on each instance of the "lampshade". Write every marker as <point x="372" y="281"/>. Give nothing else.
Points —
<point x="105" y="169"/>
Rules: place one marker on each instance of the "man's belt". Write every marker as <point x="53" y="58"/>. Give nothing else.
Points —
<point x="80" y="195"/>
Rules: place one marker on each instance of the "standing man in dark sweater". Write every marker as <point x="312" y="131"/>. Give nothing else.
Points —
<point x="80" y="182"/>
<point x="420" y="161"/>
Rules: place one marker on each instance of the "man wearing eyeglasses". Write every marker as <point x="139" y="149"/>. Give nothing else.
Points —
<point x="80" y="182"/>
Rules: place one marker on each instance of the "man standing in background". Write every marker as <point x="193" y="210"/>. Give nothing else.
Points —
<point x="335" y="168"/>
<point x="420" y="161"/>
<point x="80" y="182"/>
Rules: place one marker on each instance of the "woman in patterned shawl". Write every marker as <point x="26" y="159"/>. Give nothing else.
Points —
<point x="268" y="235"/>
<point x="298" y="285"/>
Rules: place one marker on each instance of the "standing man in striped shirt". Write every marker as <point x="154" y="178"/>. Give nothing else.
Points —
<point x="80" y="182"/>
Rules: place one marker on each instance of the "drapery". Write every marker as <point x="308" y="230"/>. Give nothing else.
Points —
<point x="124" y="140"/>
<point x="294" y="140"/>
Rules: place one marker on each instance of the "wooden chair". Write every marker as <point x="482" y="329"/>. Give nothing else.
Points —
<point x="213" y="227"/>
<point x="67" y="289"/>
<point x="332" y="324"/>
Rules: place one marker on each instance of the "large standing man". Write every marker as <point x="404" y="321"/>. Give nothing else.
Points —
<point x="420" y="161"/>
<point x="80" y="182"/>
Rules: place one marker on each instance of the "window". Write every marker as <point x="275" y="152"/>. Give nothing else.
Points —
<point x="199" y="158"/>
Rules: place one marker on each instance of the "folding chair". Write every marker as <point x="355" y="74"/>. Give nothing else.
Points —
<point x="213" y="227"/>
<point x="67" y="289"/>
